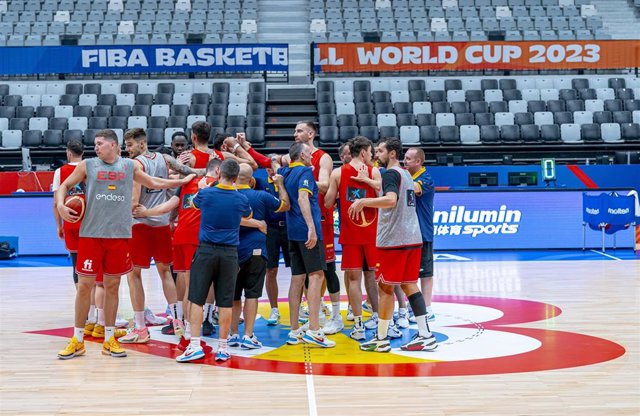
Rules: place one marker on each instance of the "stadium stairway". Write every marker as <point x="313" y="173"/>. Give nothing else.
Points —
<point x="285" y="107"/>
<point x="618" y="18"/>
<point x="285" y="21"/>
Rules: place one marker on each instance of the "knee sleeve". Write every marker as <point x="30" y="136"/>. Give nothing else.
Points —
<point x="333" y="283"/>
<point x="74" y="258"/>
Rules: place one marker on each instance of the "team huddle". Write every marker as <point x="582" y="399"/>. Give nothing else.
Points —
<point x="216" y="234"/>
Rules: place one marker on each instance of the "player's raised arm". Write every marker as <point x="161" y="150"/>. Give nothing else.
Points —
<point x="158" y="183"/>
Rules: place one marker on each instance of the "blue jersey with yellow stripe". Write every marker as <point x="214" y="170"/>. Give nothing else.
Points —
<point x="222" y="208"/>
<point x="299" y="178"/>
<point x="424" y="203"/>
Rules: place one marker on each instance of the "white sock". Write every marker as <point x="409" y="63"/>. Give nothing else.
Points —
<point x="403" y="311"/>
<point x="222" y="344"/>
<point x="374" y="315"/>
<point x="100" y="317"/>
<point x="383" y="328"/>
<point x="357" y="322"/>
<point x="195" y="342"/>
<point x="335" y="310"/>
<point x="180" y="311"/>
<point x="423" y="326"/>
<point x="187" y="330"/>
<point x="91" y="318"/>
<point x="429" y="310"/>
<point x="109" y="331"/>
<point x="79" y="334"/>
<point x="173" y="310"/>
<point x="208" y="311"/>
<point x="138" y="319"/>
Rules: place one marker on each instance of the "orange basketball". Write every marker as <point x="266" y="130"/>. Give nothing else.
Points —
<point x="76" y="203"/>
<point x="366" y="217"/>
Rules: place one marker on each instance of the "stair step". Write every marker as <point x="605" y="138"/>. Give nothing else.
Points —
<point x="277" y="120"/>
<point x="298" y="94"/>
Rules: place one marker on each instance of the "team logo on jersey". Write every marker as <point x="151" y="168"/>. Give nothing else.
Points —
<point x="476" y="336"/>
<point x="111" y="187"/>
<point x="187" y="201"/>
<point x="411" y="198"/>
<point x="305" y="183"/>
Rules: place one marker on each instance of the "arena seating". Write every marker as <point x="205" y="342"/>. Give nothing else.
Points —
<point x="482" y="110"/>
<point x="121" y="22"/>
<point x="454" y="20"/>
<point x="49" y="114"/>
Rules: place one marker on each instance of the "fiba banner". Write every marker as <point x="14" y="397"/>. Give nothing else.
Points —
<point x="465" y="56"/>
<point x="144" y="59"/>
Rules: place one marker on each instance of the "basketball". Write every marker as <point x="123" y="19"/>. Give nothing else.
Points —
<point x="76" y="203"/>
<point x="366" y="217"/>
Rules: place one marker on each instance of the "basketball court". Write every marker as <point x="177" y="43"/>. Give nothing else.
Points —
<point x="525" y="332"/>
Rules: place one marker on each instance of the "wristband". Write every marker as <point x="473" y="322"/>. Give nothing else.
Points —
<point x="235" y="147"/>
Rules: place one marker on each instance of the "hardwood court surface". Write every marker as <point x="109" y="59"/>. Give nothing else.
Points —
<point x="600" y="298"/>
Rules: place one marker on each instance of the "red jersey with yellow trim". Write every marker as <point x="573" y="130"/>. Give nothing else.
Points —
<point x="188" y="216"/>
<point x="202" y="158"/>
<point x="65" y="172"/>
<point x="363" y="229"/>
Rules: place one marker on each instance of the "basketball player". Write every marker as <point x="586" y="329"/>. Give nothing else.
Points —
<point x="305" y="245"/>
<point x="322" y="164"/>
<point x="399" y="246"/>
<point x="68" y="231"/>
<point x="216" y="258"/>
<point x="252" y="256"/>
<point x="344" y="153"/>
<point x="277" y="241"/>
<point x="185" y="237"/>
<point x="151" y="238"/>
<point x="179" y="143"/>
<point x="200" y="154"/>
<point x="413" y="161"/>
<point x="105" y="232"/>
<point x="355" y="180"/>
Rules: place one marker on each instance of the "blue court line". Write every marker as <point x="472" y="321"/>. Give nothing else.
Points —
<point x="448" y="256"/>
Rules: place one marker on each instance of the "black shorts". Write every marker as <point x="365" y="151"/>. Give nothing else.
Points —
<point x="305" y="261"/>
<point x="277" y="240"/>
<point x="217" y="264"/>
<point x="426" y="260"/>
<point x="251" y="278"/>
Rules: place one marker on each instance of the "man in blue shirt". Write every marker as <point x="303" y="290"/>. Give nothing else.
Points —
<point x="413" y="161"/>
<point x="277" y="241"/>
<point x="305" y="245"/>
<point x="216" y="259"/>
<point x="252" y="256"/>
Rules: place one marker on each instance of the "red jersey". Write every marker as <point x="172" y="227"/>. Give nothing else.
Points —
<point x="202" y="158"/>
<point x="327" y="214"/>
<point x="363" y="229"/>
<point x="188" y="216"/>
<point x="65" y="172"/>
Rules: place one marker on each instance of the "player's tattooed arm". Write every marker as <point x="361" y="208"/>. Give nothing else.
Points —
<point x="182" y="169"/>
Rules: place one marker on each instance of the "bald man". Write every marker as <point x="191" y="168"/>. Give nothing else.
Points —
<point x="252" y="256"/>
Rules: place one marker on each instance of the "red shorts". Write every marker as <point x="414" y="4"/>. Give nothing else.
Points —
<point x="71" y="237"/>
<point x="354" y="256"/>
<point x="398" y="266"/>
<point x="328" y="237"/>
<point x="148" y="242"/>
<point x="182" y="256"/>
<point x="103" y="255"/>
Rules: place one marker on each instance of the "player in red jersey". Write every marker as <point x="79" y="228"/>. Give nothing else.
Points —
<point x="322" y="164"/>
<point x="185" y="237"/>
<point x="355" y="180"/>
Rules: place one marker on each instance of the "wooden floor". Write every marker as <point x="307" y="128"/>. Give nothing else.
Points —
<point x="597" y="298"/>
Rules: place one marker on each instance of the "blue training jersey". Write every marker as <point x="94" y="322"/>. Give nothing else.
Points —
<point x="252" y="241"/>
<point x="222" y="208"/>
<point x="267" y="185"/>
<point x="299" y="178"/>
<point x="424" y="203"/>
